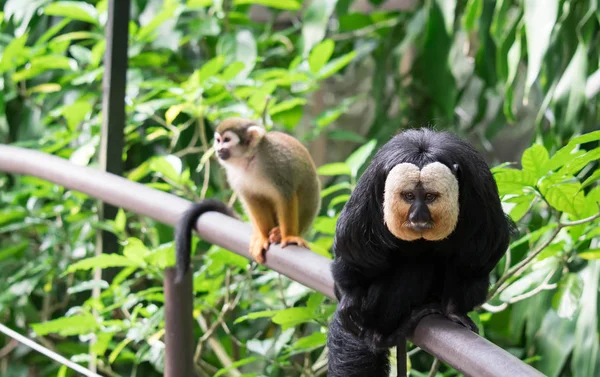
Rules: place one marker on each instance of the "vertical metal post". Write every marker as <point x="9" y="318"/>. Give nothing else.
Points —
<point x="401" y="358"/>
<point x="113" y="108"/>
<point x="179" y="334"/>
<point x="113" y="123"/>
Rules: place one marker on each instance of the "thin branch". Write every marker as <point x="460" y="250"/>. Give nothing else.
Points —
<point x="522" y="265"/>
<point x="7" y="349"/>
<point x="434" y="367"/>
<point x="265" y="111"/>
<point x="582" y="221"/>
<point x="366" y="30"/>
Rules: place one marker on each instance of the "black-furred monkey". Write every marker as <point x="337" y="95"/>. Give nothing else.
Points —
<point x="420" y="234"/>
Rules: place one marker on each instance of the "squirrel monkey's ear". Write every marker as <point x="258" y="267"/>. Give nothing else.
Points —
<point x="255" y="134"/>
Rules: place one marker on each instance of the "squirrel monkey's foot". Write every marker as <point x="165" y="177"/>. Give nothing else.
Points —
<point x="293" y="240"/>
<point x="259" y="245"/>
<point x="275" y="235"/>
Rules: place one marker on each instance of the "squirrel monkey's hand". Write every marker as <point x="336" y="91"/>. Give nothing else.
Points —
<point x="275" y="235"/>
<point x="294" y="240"/>
<point x="259" y="244"/>
<point x="275" y="238"/>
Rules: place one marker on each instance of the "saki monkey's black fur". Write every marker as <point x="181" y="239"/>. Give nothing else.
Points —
<point x="384" y="284"/>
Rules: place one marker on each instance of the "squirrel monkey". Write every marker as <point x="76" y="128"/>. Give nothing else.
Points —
<point x="276" y="180"/>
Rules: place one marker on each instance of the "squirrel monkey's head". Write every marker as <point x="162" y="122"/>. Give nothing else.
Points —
<point x="236" y="138"/>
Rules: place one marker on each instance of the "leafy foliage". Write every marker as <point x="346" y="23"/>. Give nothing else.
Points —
<point x="504" y="74"/>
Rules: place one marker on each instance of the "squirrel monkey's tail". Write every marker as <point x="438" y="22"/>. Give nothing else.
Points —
<point x="183" y="231"/>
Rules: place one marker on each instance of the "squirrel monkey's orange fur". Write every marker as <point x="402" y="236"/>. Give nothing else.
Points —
<point x="275" y="179"/>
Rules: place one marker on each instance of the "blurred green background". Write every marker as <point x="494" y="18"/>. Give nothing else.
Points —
<point x="517" y="78"/>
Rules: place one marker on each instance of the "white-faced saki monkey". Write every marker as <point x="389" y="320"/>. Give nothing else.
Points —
<point x="419" y="235"/>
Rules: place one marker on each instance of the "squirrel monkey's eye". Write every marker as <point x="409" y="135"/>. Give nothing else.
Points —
<point x="227" y="139"/>
<point x="409" y="196"/>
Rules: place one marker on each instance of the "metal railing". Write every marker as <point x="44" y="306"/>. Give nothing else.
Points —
<point x="464" y="350"/>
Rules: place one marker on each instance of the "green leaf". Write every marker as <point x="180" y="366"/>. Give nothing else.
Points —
<point x="325" y="224"/>
<point x="168" y="167"/>
<point x="534" y="160"/>
<point x="46" y="88"/>
<point x="102" y="261"/>
<point x="67" y="326"/>
<point x="320" y="55"/>
<point x="518" y="211"/>
<point x="246" y="52"/>
<point x="42" y="64"/>
<point x="337" y="187"/>
<point x="62" y="371"/>
<point x="211" y="68"/>
<point x="595" y="177"/>
<point x="563" y="193"/>
<point x="120" y="220"/>
<point x="161" y="257"/>
<point x="136" y="251"/>
<point x="232" y="70"/>
<point x="314" y="23"/>
<point x="13" y="251"/>
<point x="540" y="17"/>
<point x="555" y="340"/>
<point x="338" y="200"/>
<point x="87" y="286"/>
<point x="82" y="155"/>
<point x="287" y="105"/>
<point x="167" y="12"/>
<point x="277" y="4"/>
<point x="581" y="161"/>
<point x="356" y="160"/>
<point x="314" y="340"/>
<point x="75" y="10"/>
<point x="586" y="138"/>
<point x="101" y="345"/>
<point x="76" y="112"/>
<point x="238" y="364"/>
<point x="590" y="254"/>
<point x="255" y="315"/>
<point x="335" y="168"/>
<point x="584" y="361"/>
<point x="573" y="81"/>
<point x="567" y="298"/>
<point x="346" y="135"/>
<point x="513" y="61"/>
<point x="448" y="8"/>
<point x="511" y="181"/>
<point x="335" y="65"/>
<point x="173" y="111"/>
<point x="13" y="53"/>
<point x="293" y="316"/>
<point x="115" y="353"/>
<point x="561" y="157"/>
<point x="472" y="14"/>
<point x="332" y="114"/>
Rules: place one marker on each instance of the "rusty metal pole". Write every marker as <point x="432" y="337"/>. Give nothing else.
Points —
<point x="179" y="325"/>
<point x="401" y="358"/>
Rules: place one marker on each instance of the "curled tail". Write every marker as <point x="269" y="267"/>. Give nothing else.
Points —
<point x="183" y="231"/>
